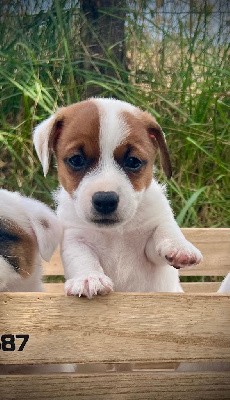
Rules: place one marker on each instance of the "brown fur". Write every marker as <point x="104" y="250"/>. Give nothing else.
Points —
<point x="17" y="247"/>
<point x="80" y="130"/>
<point x="141" y="147"/>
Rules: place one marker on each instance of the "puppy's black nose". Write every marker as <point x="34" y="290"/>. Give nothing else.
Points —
<point x="105" y="202"/>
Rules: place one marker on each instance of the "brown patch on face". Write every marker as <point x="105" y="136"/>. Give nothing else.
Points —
<point x="138" y="144"/>
<point x="76" y="132"/>
<point x="17" y="247"/>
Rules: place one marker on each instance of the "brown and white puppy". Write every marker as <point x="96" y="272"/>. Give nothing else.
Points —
<point x="119" y="230"/>
<point x="29" y="231"/>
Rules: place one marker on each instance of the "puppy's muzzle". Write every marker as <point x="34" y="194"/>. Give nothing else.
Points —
<point x="105" y="203"/>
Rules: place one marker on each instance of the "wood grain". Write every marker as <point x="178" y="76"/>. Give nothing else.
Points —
<point x="112" y="386"/>
<point x="54" y="287"/>
<point x="214" y="244"/>
<point x="117" y="328"/>
<point x="188" y="287"/>
<point x="200" y="287"/>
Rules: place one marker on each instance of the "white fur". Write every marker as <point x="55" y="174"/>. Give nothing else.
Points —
<point x="113" y="129"/>
<point x="132" y="255"/>
<point x="27" y="214"/>
<point x="41" y="141"/>
<point x="225" y="285"/>
<point x="106" y="177"/>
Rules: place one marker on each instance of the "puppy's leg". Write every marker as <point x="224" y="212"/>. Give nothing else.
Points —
<point x="83" y="272"/>
<point x="169" y="243"/>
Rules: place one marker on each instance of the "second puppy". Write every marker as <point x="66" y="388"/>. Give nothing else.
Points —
<point x="29" y="231"/>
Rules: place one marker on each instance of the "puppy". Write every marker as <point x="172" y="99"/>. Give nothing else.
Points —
<point x="29" y="231"/>
<point x="119" y="229"/>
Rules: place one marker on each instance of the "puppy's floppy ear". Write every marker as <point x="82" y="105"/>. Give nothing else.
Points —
<point x="43" y="137"/>
<point x="45" y="226"/>
<point x="157" y="136"/>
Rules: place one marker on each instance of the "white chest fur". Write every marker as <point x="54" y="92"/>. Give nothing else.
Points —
<point x="132" y="256"/>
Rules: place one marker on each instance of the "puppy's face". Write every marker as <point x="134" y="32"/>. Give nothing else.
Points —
<point x="27" y="229"/>
<point x="105" y="151"/>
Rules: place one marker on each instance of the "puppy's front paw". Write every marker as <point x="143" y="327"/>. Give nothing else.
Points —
<point x="89" y="286"/>
<point x="180" y="255"/>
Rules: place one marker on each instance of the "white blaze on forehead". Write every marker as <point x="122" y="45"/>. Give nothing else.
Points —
<point x="113" y="128"/>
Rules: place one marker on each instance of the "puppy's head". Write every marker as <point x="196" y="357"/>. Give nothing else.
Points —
<point x="28" y="229"/>
<point x="105" y="150"/>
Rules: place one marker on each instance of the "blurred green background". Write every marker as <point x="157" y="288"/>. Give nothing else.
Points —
<point x="168" y="57"/>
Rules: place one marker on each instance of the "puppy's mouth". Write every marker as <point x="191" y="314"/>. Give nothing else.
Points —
<point x="105" y="221"/>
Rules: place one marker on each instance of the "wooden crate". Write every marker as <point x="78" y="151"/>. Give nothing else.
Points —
<point x="125" y="345"/>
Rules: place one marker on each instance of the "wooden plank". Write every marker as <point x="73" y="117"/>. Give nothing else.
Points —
<point x="213" y="242"/>
<point x="116" y="328"/>
<point x="112" y="386"/>
<point x="54" y="287"/>
<point x="200" y="287"/>
<point x="188" y="287"/>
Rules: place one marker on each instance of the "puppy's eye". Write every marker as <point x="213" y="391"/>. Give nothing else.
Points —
<point x="7" y="237"/>
<point x="133" y="164"/>
<point x="76" y="162"/>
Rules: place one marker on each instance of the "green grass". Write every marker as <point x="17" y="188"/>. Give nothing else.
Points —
<point x="179" y="76"/>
